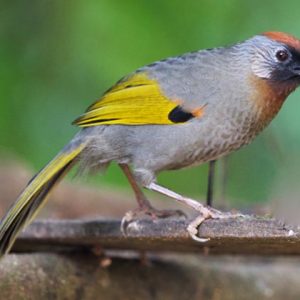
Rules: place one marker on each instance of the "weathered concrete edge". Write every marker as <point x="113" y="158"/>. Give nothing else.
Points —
<point x="246" y="235"/>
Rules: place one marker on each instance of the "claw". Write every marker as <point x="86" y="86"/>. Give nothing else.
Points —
<point x="125" y="222"/>
<point x="193" y="229"/>
<point x="148" y="212"/>
<point x="205" y="214"/>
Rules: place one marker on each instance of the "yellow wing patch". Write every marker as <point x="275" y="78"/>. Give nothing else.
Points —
<point x="137" y="100"/>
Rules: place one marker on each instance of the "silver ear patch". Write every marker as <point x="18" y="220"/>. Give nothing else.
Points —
<point x="261" y="68"/>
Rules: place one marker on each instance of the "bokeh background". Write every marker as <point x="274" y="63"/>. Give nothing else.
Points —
<point x="57" y="57"/>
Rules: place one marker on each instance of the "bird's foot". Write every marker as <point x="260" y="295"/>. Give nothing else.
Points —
<point x="206" y="213"/>
<point x="149" y="212"/>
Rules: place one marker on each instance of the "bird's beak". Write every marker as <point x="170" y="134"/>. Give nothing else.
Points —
<point x="296" y="69"/>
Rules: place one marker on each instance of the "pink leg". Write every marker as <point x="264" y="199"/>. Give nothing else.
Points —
<point x="140" y="196"/>
<point x="145" y="208"/>
<point x="205" y="211"/>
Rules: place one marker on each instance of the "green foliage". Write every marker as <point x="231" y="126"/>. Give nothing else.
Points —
<point x="57" y="57"/>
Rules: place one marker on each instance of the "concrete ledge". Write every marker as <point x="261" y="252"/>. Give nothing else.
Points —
<point x="249" y="235"/>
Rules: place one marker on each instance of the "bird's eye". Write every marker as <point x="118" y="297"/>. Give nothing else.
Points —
<point x="282" y="55"/>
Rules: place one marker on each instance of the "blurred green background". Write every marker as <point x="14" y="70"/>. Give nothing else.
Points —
<point x="57" y="57"/>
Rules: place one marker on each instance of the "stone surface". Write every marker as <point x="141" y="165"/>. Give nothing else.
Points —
<point x="247" y="235"/>
<point x="183" y="277"/>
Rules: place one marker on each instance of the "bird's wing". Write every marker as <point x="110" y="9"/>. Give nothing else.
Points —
<point x="136" y="100"/>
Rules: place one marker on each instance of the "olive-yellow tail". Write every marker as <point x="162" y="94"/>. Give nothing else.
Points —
<point x="34" y="196"/>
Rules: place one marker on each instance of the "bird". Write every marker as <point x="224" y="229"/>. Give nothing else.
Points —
<point x="175" y="113"/>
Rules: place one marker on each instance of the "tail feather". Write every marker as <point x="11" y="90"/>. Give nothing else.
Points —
<point x="34" y="197"/>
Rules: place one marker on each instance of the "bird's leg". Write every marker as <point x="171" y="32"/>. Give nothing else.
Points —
<point x="145" y="208"/>
<point x="223" y="175"/>
<point x="205" y="211"/>
<point x="143" y="202"/>
<point x="210" y="184"/>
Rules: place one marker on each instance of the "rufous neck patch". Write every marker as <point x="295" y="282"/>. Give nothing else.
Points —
<point x="283" y="38"/>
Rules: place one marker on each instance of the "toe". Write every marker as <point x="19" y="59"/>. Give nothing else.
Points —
<point x="193" y="231"/>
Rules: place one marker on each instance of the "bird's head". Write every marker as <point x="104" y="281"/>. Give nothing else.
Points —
<point x="276" y="58"/>
<point x="275" y="70"/>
